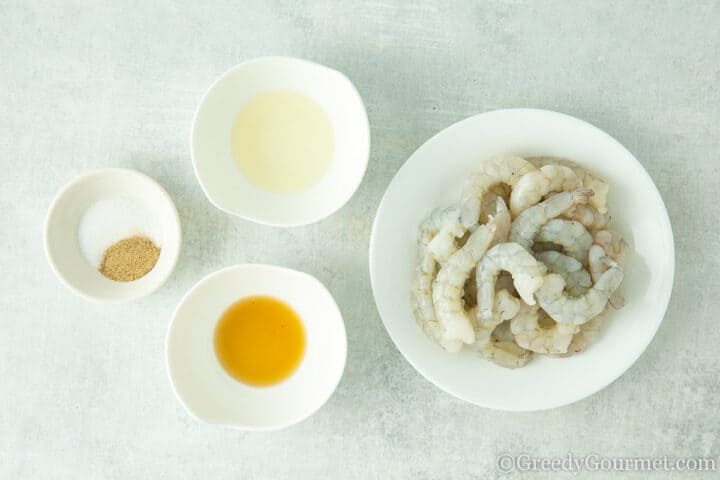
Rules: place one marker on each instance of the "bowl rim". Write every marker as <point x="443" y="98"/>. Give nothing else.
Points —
<point x="364" y="122"/>
<point x="665" y="220"/>
<point x="278" y="270"/>
<point x="88" y="176"/>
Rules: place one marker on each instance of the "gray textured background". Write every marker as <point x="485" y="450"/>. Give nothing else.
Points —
<point x="89" y="84"/>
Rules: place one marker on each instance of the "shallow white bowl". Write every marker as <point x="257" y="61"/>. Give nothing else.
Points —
<point x="209" y="394"/>
<point x="220" y="177"/>
<point x="62" y="246"/>
<point x="433" y="175"/>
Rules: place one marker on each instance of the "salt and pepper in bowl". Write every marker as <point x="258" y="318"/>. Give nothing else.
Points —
<point x="112" y="235"/>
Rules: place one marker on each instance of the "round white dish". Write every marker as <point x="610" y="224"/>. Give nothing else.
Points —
<point x="433" y="176"/>
<point x="210" y="394"/>
<point x="217" y="172"/>
<point x="63" y="248"/>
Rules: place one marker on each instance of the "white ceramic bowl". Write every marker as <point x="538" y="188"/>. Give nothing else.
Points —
<point x="209" y="394"/>
<point x="61" y="233"/>
<point x="433" y="176"/>
<point x="217" y="172"/>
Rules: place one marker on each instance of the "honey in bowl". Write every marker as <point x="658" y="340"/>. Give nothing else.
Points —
<point x="260" y="341"/>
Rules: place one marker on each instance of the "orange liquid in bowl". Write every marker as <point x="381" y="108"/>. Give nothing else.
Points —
<point x="260" y="341"/>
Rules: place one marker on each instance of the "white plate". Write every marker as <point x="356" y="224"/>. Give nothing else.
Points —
<point x="63" y="248"/>
<point x="217" y="172"/>
<point x="209" y="394"/>
<point x="433" y="175"/>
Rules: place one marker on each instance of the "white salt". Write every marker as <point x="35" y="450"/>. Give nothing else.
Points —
<point x="106" y="222"/>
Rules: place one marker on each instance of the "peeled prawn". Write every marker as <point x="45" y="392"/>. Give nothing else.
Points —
<point x="588" y="216"/>
<point x="526" y="271"/>
<point x="425" y="273"/>
<point x="505" y="307"/>
<point x="502" y="220"/>
<point x="613" y="244"/>
<point x="589" y="179"/>
<point x="502" y="349"/>
<point x="569" y="234"/>
<point x="447" y="290"/>
<point x="438" y="219"/>
<point x="597" y="267"/>
<point x="529" y="334"/>
<point x="577" y="279"/>
<point x="497" y="170"/>
<point x="594" y="183"/>
<point x="578" y="310"/>
<point x="589" y="332"/>
<point x="422" y="301"/>
<point x="531" y="187"/>
<point x="527" y="225"/>
<point x="445" y="225"/>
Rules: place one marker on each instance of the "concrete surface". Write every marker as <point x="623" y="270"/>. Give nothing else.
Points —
<point x="89" y="84"/>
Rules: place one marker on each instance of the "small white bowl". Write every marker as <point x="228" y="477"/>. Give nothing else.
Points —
<point x="62" y="245"/>
<point x="210" y="394"/>
<point x="217" y="172"/>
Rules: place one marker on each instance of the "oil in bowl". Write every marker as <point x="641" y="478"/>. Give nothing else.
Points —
<point x="282" y="141"/>
<point x="260" y="341"/>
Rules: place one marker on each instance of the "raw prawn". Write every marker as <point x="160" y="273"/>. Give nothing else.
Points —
<point x="595" y="262"/>
<point x="444" y="226"/>
<point x="505" y="307"/>
<point x="527" y="225"/>
<point x="613" y="244"/>
<point x="526" y="271"/>
<point x="531" y="187"/>
<point x="502" y="349"/>
<point x="569" y="234"/>
<point x="497" y="170"/>
<point x="529" y="334"/>
<point x="447" y="290"/>
<point x="589" y="179"/>
<point x="577" y="279"/>
<point x="502" y="220"/>
<point x="597" y="267"/>
<point x="578" y="310"/>
<point x="589" y="332"/>
<point x="588" y="216"/>
<point x="425" y="273"/>
<point x="422" y="301"/>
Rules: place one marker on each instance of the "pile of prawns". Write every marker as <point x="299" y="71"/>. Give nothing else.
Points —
<point x="525" y="263"/>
